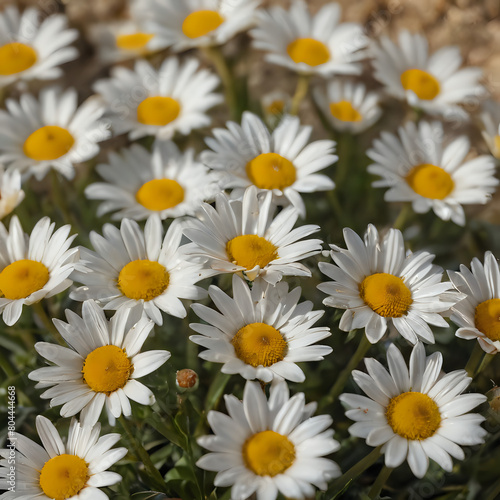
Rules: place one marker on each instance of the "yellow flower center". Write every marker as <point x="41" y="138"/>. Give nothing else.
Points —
<point x="201" y="23"/>
<point x="48" y="143"/>
<point x="160" y="194"/>
<point x="276" y="107"/>
<point x="413" y="415"/>
<point x="344" y="111"/>
<point x="423" y="84"/>
<point x="487" y="318"/>
<point x="107" y="369"/>
<point x="271" y="171"/>
<point x="309" y="51"/>
<point x="496" y="154"/>
<point x="143" y="279"/>
<point x="16" y="57"/>
<point x="250" y="250"/>
<point x="259" y="344"/>
<point x="268" y="453"/>
<point x="386" y="294"/>
<point x="133" y="41"/>
<point x="63" y="476"/>
<point x="430" y="181"/>
<point x="21" y="278"/>
<point x="157" y="110"/>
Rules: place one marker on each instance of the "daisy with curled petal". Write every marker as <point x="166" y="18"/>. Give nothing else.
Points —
<point x="74" y="471"/>
<point x="145" y="101"/>
<point x="270" y="446"/>
<point x="260" y="333"/>
<point x="33" y="267"/>
<point x="51" y="132"/>
<point x="477" y="315"/>
<point x="169" y="183"/>
<point x="415" y="413"/>
<point x="11" y="193"/>
<point x="308" y="44"/>
<point x="240" y="236"/>
<point x="432" y="83"/>
<point x="32" y="49"/>
<point x="182" y="24"/>
<point x="282" y="161"/>
<point x="490" y="118"/>
<point x="420" y="166"/>
<point x="132" y="266"/>
<point x="349" y="106"/>
<point x="377" y="282"/>
<point x="102" y="366"/>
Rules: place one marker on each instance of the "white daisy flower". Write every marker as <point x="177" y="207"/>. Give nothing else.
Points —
<point x="282" y="161"/>
<point x="75" y="470"/>
<point x="270" y="446"/>
<point x="51" y="132"/>
<point x="423" y="167"/>
<point x="275" y="104"/>
<point x="145" y="101"/>
<point x="260" y="333"/>
<point x="477" y="315"/>
<point x="308" y="44"/>
<point x="132" y="266"/>
<point x="102" y="367"/>
<point x="33" y="267"/>
<point x="32" y="49"/>
<point x="377" y="282"/>
<point x="123" y="38"/>
<point x="168" y="182"/>
<point x="490" y="118"/>
<point x="240" y="236"/>
<point x="349" y="106"/>
<point x="416" y="413"/>
<point x="432" y="83"/>
<point x="182" y="24"/>
<point x="11" y="194"/>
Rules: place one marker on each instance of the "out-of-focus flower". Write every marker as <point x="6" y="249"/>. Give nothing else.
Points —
<point x="307" y="44"/>
<point x="146" y="101"/>
<point x="432" y="83"/>
<point x="139" y="184"/>
<point x="11" y="193"/>
<point x="30" y="48"/>
<point x="51" y="132"/>
<point x="349" y="106"/>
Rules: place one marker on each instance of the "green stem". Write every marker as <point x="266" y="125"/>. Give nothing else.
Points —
<point x="379" y="483"/>
<point x="344" y="149"/>
<point x="338" y="387"/>
<point x="474" y="360"/>
<point x="143" y="456"/>
<point x="487" y="359"/>
<point x="47" y="322"/>
<point x="357" y="469"/>
<point x="219" y="61"/>
<point x="6" y="365"/>
<point x="402" y="218"/>
<point x="300" y="93"/>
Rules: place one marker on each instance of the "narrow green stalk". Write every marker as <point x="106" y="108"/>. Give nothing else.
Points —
<point x="379" y="483"/>
<point x="6" y="365"/>
<point x="219" y="61"/>
<point x="474" y="360"/>
<point x="484" y="363"/>
<point x="402" y="218"/>
<point x="47" y="322"/>
<point x="143" y="456"/>
<point x="357" y="469"/>
<point x="344" y="149"/>
<point x="300" y="93"/>
<point x="338" y="387"/>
